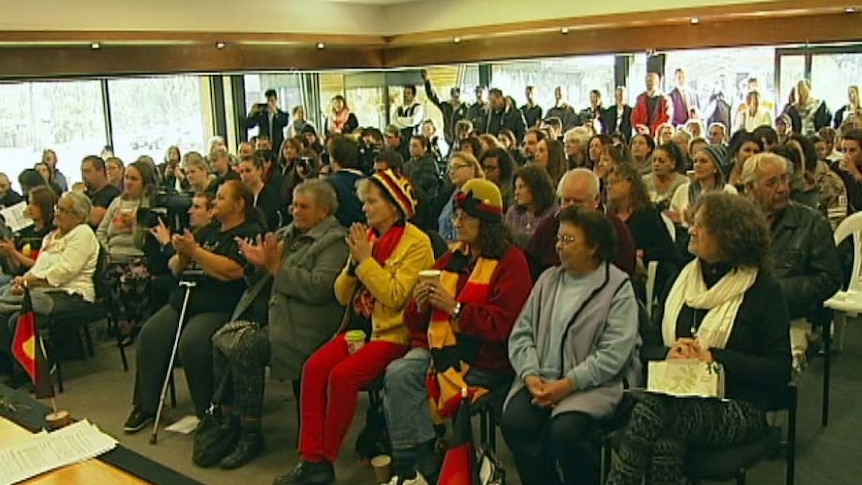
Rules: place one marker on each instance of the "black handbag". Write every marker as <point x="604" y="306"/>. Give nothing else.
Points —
<point x="217" y="435"/>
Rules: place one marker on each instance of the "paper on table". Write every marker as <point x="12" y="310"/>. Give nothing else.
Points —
<point x="43" y="452"/>
<point x="15" y="216"/>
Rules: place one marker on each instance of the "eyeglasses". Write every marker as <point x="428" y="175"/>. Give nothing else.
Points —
<point x="458" y="216"/>
<point x="566" y="238"/>
<point x="63" y="210"/>
<point x="457" y="166"/>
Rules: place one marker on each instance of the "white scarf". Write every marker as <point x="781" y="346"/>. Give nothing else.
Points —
<point x="722" y="302"/>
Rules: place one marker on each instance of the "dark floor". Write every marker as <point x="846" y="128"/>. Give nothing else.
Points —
<point x="99" y="390"/>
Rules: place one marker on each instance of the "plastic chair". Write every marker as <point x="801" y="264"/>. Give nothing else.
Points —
<point x="843" y="303"/>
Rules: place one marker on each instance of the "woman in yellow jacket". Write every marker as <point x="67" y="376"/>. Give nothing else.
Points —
<point x="385" y="260"/>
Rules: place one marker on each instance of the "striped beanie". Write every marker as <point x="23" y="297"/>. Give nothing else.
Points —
<point x="398" y="190"/>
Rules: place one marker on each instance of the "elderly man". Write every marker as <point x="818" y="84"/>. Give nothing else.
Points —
<point x="578" y="187"/>
<point x="806" y="262"/>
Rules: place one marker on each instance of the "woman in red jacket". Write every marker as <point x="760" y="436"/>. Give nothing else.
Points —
<point x="459" y="323"/>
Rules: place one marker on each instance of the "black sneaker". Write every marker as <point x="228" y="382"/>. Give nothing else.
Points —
<point x="137" y="421"/>
<point x="307" y="473"/>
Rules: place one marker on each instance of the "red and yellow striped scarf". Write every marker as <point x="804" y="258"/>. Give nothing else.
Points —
<point x="445" y="385"/>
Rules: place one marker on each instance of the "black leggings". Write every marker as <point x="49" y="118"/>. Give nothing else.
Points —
<point x="539" y="442"/>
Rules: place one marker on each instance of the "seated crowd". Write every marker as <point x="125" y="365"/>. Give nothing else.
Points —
<point x="511" y="255"/>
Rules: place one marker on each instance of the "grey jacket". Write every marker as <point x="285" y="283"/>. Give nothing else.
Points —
<point x="599" y="348"/>
<point x="303" y="311"/>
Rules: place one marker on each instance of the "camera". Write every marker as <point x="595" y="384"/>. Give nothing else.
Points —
<point x="171" y="208"/>
<point x="368" y="155"/>
<point x="305" y="164"/>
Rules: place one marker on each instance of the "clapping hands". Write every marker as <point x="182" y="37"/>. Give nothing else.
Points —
<point x="265" y="252"/>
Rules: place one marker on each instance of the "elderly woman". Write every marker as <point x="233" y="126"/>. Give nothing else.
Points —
<point x="572" y="348"/>
<point x="463" y="167"/>
<point x="61" y="279"/>
<point x="724" y="307"/>
<point x="123" y="238"/>
<point x="484" y="285"/>
<point x="291" y="308"/>
<point x="535" y="201"/>
<point x="708" y="176"/>
<point x="214" y="251"/>
<point x="375" y="285"/>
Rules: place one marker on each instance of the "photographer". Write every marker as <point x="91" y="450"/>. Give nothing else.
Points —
<point x="123" y="237"/>
<point x="268" y="118"/>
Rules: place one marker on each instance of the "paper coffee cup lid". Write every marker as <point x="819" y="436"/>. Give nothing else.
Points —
<point x="430" y="273"/>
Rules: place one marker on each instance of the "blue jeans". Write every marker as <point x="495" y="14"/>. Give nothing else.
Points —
<point x="405" y="399"/>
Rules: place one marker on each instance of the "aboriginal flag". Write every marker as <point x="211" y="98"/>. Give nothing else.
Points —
<point x="28" y="349"/>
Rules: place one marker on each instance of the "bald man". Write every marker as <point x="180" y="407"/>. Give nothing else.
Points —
<point x="578" y="187"/>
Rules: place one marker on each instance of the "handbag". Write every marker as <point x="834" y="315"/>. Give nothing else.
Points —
<point x="227" y="337"/>
<point x="217" y="435"/>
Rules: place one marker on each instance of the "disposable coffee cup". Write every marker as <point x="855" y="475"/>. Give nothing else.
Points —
<point x="430" y="275"/>
<point x="355" y="340"/>
<point x="382" y="468"/>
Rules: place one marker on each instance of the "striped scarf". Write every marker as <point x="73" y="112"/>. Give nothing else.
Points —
<point x="446" y="377"/>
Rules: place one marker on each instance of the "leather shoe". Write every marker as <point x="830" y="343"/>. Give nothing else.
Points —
<point x="307" y="473"/>
<point x="249" y="447"/>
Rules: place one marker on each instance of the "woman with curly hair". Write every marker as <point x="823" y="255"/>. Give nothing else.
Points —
<point x="535" y="200"/>
<point x="724" y="307"/>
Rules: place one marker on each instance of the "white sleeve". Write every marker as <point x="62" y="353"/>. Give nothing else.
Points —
<point x="80" y="245"/>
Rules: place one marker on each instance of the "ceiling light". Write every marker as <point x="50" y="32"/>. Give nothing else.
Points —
<point x="564" y="30"/>
<point x="850" y="10"/>
<point x="695" y="21"/>
<point x="220" y="45"/>
<point x="321" y="45"/>
<point x="456" y="40"/>
<point x="95" y="46"/>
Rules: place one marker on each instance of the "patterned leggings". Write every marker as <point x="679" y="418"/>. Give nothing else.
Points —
<point x="247" y="366"/>
<point x="129" y="284"/>
<point x="661" y="427"/>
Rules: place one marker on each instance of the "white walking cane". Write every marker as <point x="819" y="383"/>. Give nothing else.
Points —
<point x="188" y="286"/>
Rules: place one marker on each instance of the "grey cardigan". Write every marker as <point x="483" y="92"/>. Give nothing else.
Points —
<point x="599" y="348"/>
<point x="303" y="311"/>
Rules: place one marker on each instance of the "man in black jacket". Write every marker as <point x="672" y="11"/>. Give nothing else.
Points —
<point x="618" y="117"/>
<point x="503" y="115"/>
<point x="532" y="112"/>
<point x="269" y="118"/>
<point x="806" y="262"/>
<point x="478" y="111"/>
<point x="453" y="110"/>
<point x="344" y="159"/>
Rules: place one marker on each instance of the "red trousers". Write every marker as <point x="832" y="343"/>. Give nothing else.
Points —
<point x="331" y="381"/>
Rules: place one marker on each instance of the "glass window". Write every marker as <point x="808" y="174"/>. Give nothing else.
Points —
<point x="288" y="87"/>
<point x="151" y="114"/>
<point x="578" y="74"/>
<point x="728" y="70"/>
<point x="64" y="116"/>
<point x="636" y="83"/>
<point x="832" y="74"/>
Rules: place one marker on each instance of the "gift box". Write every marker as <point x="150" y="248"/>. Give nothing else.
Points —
<point x="686" y="378"/>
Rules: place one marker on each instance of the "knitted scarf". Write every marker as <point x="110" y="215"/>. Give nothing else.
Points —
<point x="446" y="377"/>
<point x="382" y="248"/>
<point x="721" y="302"/>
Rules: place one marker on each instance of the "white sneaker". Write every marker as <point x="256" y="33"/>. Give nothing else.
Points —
<point x="419" y="480"/>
